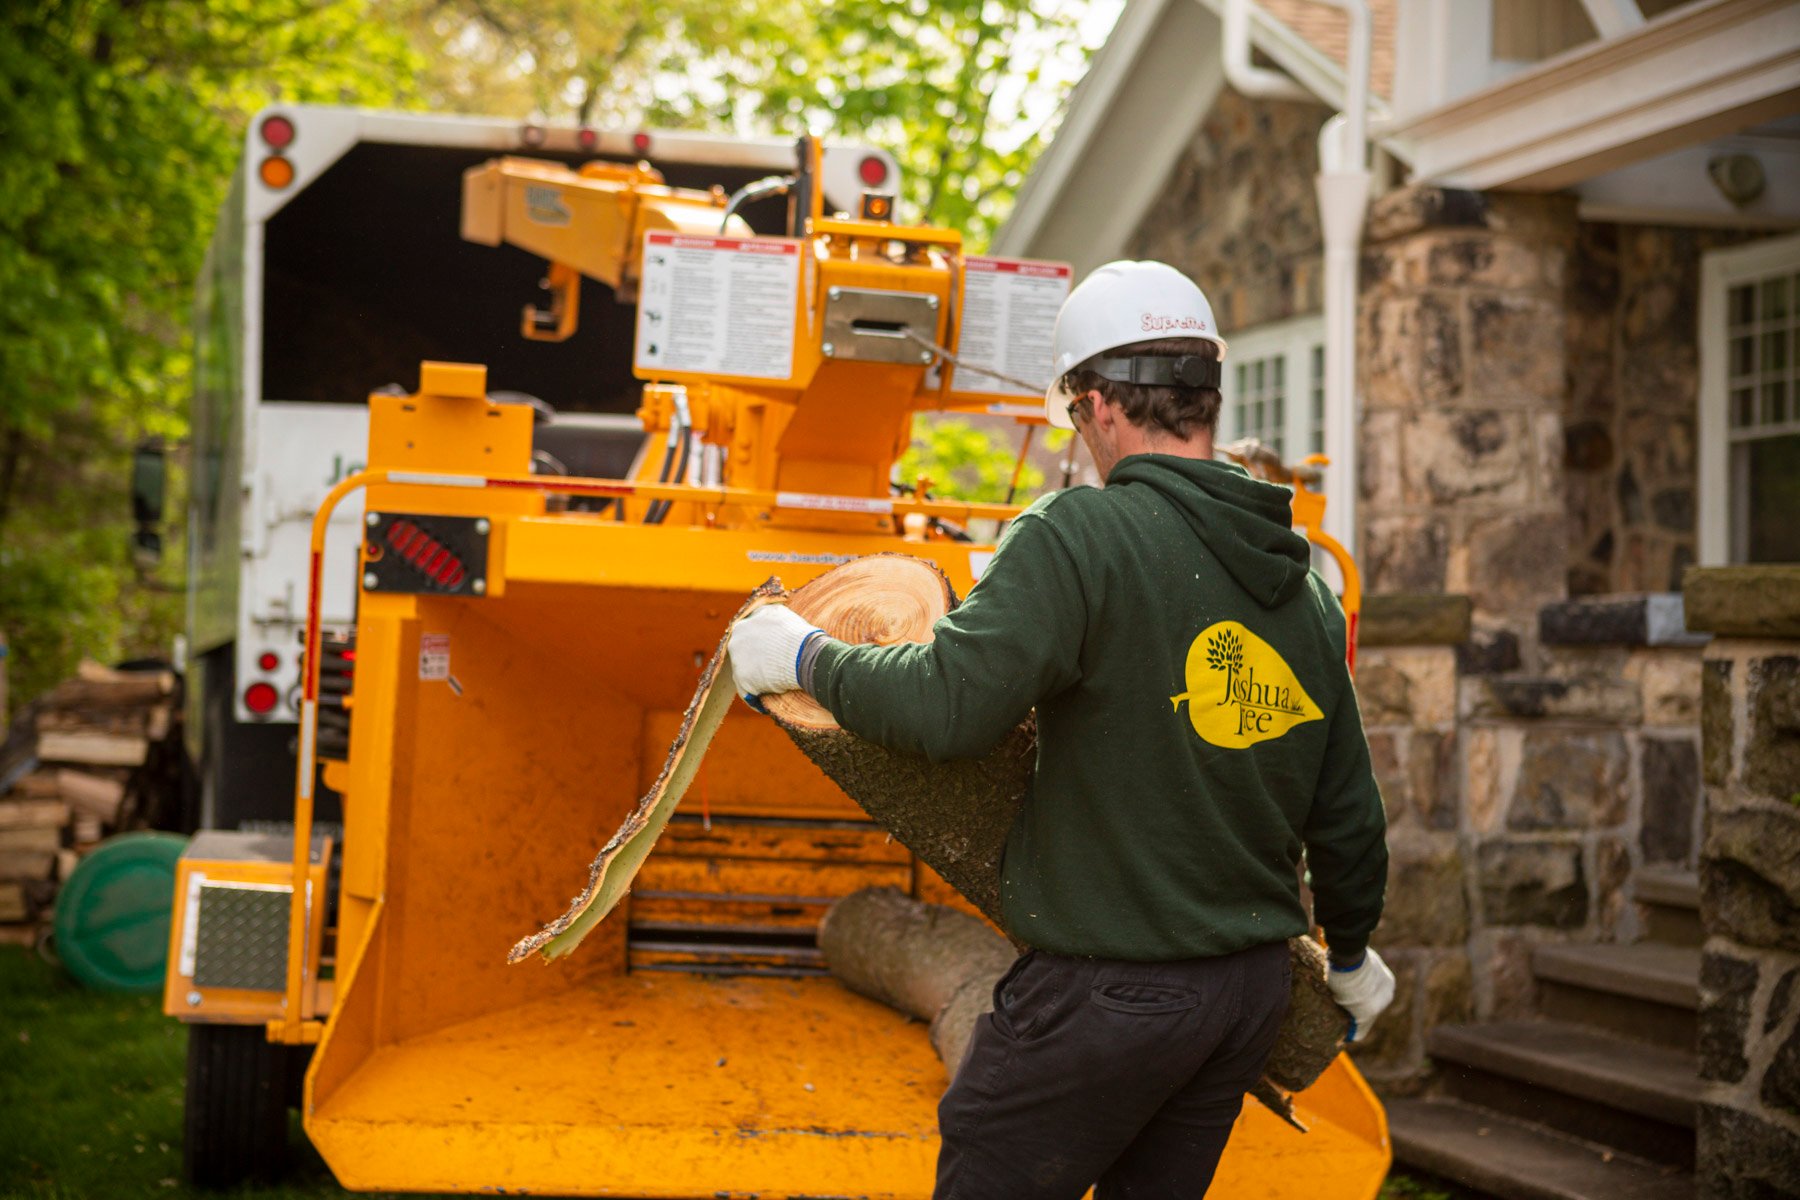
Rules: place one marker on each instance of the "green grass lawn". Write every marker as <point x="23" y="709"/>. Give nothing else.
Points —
<point x="90" y="1098"/>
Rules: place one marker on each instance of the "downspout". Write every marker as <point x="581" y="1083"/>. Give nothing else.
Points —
<point x="1343" y="190"/>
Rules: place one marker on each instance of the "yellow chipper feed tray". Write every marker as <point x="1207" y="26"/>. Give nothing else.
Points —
<point x="691" y="1046"/>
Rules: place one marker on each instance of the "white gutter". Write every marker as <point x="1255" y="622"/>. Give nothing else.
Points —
<point x="1245" y="77"/>
<point x="1343" y="190"/>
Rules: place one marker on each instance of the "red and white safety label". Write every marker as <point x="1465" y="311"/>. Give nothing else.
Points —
<point x="1008" y="319"/>
<point x="718" y="305"/>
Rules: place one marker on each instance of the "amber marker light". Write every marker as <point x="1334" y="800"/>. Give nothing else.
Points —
<point x="276" y="172"/>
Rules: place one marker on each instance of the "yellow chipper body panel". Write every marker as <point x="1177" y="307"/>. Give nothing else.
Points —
<point x="514" y="696"/>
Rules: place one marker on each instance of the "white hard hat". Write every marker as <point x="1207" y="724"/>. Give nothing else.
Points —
<point x="1116" y="305"/>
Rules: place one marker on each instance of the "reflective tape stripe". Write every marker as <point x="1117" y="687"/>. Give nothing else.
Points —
<point x="464" y="481"/>
<point x="309" y="722"/>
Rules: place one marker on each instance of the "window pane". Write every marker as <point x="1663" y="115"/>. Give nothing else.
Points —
<point x="1775" y="351"/>
<point x="1256" y="374"/>
<point x="1774" y="299"/>
<point x="1280" y="413"/>
<point x="1743" y="407"/>
<point x="1774" y="498"/>
<point x="1743" y="355"/>
<point x="1774" y="405"/>
<point x="1743" y="304"/>
<point x="1278" y="365"/>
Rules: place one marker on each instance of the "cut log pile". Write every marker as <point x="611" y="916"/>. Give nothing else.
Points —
<point x="96" y="755"/>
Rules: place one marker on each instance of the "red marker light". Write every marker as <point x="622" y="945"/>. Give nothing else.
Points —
<point x="640" y="142"/>
<point x="277" y="132"/>
<point x="261" y="698"/>
<point x="873" y="170"/>
<point x="268" y="660"/>
<point x="588" y="139"/>
<point x="532" y="135"/>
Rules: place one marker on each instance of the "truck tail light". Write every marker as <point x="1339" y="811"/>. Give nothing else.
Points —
<point x="277" y="132"/>
<point x="640" y="144"/>
<point x="587" y="139"/>
<point x="261" y="698"/>
<point x="276" y="172"/>
<point x="268" y="660"/>
<point x="873" y="170"/>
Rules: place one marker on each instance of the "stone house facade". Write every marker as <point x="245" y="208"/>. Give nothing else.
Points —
<point x="1548" y="380"/>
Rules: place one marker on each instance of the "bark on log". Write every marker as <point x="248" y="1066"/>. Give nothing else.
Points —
<point x="955" y="815"/>
<point x="928" y="961"/>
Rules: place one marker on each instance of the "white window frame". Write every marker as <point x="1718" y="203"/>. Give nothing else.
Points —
<point x="1720" y="271"/>
<point x="1293" y="341"/>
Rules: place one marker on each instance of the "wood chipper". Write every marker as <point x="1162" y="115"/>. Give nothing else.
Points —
<point x="524" y="646"/>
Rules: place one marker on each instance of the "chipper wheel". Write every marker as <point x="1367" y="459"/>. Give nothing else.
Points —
<point x="237" y="1102"/>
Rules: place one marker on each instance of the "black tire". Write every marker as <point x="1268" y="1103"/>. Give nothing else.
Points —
<point x="237" y="1104"/>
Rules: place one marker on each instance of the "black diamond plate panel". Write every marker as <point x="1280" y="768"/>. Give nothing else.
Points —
<point x="241" y="941"/>
<point x="423" y="553"/>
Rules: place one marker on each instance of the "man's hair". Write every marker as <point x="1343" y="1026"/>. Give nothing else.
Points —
<point x="1174" y="409"/>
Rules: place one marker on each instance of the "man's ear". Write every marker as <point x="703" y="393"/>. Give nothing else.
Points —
<point x="1095" y="403"/>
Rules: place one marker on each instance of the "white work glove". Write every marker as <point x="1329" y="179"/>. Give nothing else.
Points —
<point x="1362" y="991"/>
<point x="765" y="650"/>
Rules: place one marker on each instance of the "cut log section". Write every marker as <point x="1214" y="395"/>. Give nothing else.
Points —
<point x="954" y="815"/>
<point x="928" y="961"/>
<point x="617" y="863"/>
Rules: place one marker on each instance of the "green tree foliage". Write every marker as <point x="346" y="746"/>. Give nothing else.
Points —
<point x="964" y="92"/>
<point x="971" y="462"/>
<point x="120" y="122"/>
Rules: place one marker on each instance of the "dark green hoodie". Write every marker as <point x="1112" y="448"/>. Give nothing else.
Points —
<point x="1196" y="723"/>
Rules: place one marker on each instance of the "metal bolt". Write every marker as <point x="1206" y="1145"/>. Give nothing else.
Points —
<point x="925" y="356"/>
<point x="931" y="302"/>
<point x="479" y="587"/>
<point x="193" y="999"/>
<point x="369" y="580"/>
<point x="827" y="349"/>
<point x="373" y="519"/>
<point x="835" y="293"/>
<point x="481" y="525"/>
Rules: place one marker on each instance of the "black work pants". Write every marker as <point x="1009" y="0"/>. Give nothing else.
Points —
<point x="1125" y="1074"/>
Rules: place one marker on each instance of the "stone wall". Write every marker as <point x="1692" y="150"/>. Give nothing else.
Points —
<point x="1520" y="804"/>
<point x="1408" y="698"/>
<point x="1632" y="304"/>
<point x="1238" y="213"/>
<point x="1461" y="369"/>
<point x="1749" y="1128"/>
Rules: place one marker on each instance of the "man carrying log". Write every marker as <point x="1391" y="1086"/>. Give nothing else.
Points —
<point x="1196" y="729"/>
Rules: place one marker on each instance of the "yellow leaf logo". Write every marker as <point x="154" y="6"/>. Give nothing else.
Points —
<point x="1240" y="691"/>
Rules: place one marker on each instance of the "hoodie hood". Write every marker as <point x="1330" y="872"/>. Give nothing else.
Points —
<point x="1243" y="521"/>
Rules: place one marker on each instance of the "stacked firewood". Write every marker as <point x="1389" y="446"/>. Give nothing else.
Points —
<point x="96" y="755"/>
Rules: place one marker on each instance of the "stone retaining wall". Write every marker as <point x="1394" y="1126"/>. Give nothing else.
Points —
<point x="1749" y="1130"/>
<point x="1519" y="805"/>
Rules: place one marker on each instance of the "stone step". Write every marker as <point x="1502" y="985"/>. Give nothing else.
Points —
<point x="1670" y="899"/>
<point x="1647" y="991"/>
<point x="1604" y="1089"/>
<point x="1668" y="887"/>
<point x="1516" y="1160"/>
